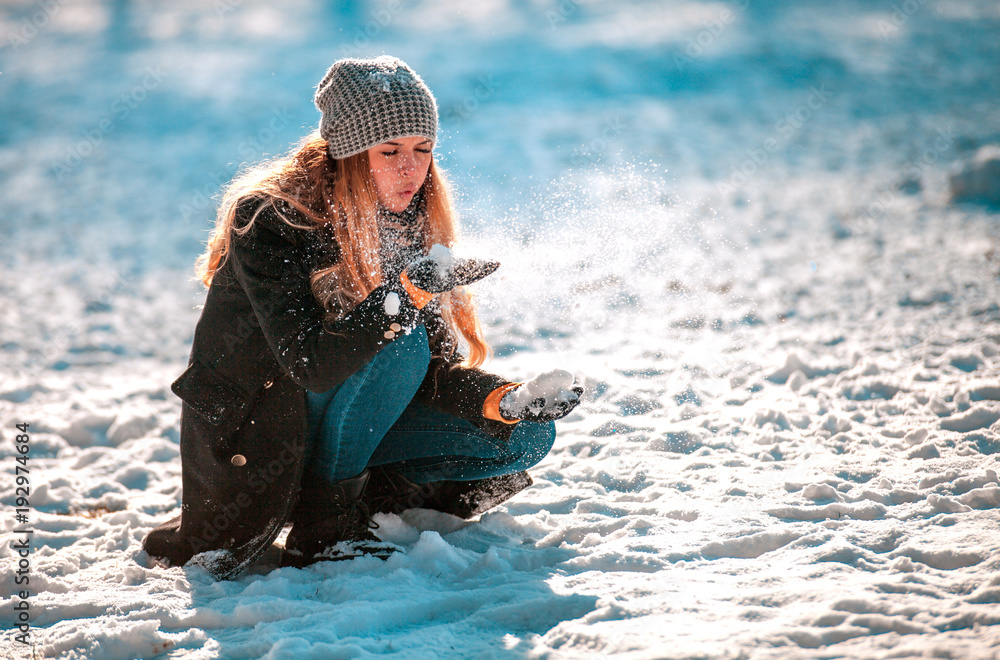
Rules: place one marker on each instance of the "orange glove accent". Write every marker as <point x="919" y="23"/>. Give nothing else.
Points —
<point x="418" y="296"/>
<point x="491" y="407"/>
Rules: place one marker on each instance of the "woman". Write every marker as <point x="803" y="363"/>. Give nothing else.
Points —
<point x="325" y="382"/>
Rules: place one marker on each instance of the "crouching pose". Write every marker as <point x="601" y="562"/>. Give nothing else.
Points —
<point x="325" y="382"/>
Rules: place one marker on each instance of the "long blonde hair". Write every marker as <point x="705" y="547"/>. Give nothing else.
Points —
<point x="341" y="193"/>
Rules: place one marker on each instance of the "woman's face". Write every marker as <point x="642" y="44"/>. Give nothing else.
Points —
<point x="399" y="168"/>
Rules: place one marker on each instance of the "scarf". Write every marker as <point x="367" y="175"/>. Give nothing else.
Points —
<point x="401" y="235"/>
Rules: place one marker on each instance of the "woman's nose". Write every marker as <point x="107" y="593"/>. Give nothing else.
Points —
<point x="407" y="163"/>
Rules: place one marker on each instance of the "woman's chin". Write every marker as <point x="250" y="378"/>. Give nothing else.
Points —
<point x="399" y="204"/>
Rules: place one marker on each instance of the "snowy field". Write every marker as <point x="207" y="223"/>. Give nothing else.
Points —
<point x="737" y="220"/>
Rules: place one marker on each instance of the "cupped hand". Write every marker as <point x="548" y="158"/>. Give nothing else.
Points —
<point x="544" y="398"/>
<point x="442" y="271"/>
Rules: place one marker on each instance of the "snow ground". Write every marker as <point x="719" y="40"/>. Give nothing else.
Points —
<point x="789" y="444"/>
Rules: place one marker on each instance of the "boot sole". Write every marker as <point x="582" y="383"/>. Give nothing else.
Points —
<point x="342" y="551"/>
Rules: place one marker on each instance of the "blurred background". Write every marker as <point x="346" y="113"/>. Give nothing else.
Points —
<point x="121" y="120"/>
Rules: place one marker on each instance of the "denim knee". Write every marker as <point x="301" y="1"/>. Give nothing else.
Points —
<point x="411" y="350"/>
<point x="536" y="438"/>
<point x="412" y="347"/>
<point x="347" y="422"/>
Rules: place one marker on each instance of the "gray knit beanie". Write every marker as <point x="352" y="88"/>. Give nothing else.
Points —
<point x="366" y="102"/>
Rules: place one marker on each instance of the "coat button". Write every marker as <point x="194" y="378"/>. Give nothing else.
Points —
<point x="395" y="327"/>
<point x="268" y="384"/>
<point x="389" y="334"/>
<point x="239" y="460"/>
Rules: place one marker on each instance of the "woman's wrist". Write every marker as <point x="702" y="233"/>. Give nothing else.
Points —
<point x="419" y="297"/>
<point x="491" y="407"/>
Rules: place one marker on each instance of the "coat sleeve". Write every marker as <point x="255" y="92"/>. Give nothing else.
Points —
<point x="271" y="264"/>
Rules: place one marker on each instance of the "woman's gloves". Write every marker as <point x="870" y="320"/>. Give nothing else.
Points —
<point x="544" y="398"/>
<point x="442" y="271"/>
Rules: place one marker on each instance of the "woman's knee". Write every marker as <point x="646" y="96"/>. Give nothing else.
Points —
<point x="536" y="439"/>
<point x="410" y="350"/>
<point x="404" y="361"/>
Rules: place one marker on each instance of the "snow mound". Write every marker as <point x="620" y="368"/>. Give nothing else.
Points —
<point x="978" y="180"/>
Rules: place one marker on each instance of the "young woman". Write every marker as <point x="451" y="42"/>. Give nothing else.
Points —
<point x="325" y="381"/>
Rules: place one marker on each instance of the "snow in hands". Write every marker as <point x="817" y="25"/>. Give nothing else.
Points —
<point x="442" y="271"/>
<point x="545" y="397"/>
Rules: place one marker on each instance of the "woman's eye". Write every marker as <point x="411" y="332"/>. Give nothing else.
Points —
<point x="396" y="151"/>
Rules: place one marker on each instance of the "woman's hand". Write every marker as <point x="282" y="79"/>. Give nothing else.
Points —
<point x="441" y="271"/>
<point x="544" y="398"/>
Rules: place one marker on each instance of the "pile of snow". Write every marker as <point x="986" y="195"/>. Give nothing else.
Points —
<point x="979" y="179"/>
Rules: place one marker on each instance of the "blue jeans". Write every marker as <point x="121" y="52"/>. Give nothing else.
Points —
<point x="370" y="419"/>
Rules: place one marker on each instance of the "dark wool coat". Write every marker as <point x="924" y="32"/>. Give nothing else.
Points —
<point x="260" y="344"/>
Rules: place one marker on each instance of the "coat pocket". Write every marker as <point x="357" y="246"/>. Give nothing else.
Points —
<point x="220" y="401"/>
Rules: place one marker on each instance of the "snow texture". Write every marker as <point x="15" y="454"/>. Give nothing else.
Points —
<point x="735" y="219"/>
<point x="443" y="257"/>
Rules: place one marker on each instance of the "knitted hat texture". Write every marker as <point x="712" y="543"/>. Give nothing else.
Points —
<point x="366" y="102"/>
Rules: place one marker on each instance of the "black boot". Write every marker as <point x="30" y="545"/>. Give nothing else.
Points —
<point x="331" y="521"/>
<point x="391" y="492"/>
